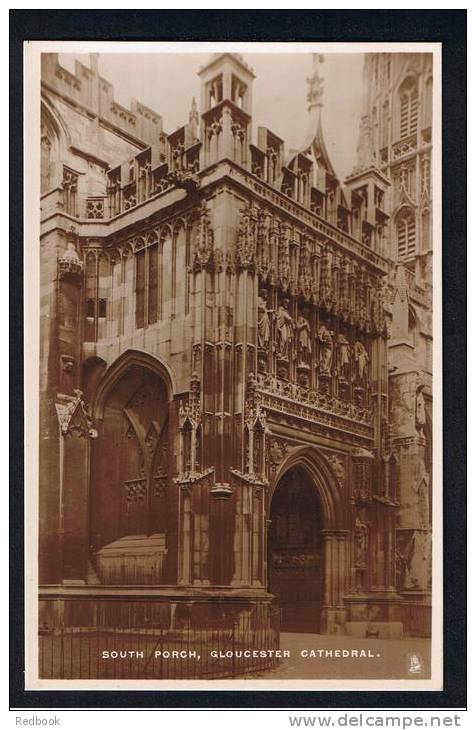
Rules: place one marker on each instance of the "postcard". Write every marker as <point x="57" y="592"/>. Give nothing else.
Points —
<point x="233" y="307"/>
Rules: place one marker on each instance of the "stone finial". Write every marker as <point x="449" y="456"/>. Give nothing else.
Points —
<point x="365" y="149"/>
<point x="193" y="114"/>
<point x="315" y="83"/>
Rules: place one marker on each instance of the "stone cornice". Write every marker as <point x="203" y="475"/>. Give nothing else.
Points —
<point x="226" y="171"/>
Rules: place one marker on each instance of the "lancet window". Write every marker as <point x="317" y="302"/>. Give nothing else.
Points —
<point x="408" y="108"/>
<point x="148" y="285"/>
<point x="406" y="235"/>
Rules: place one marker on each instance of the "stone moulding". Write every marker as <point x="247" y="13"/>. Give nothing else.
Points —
<point x="309" y="405"/>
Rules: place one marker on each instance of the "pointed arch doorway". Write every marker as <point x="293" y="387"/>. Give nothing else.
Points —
<point x="296" y="551"/>
<point x="308" y="545"/>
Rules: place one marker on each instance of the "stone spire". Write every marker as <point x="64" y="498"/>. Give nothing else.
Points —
<point x="365" y="146"/>
<point x="315" y="136"/>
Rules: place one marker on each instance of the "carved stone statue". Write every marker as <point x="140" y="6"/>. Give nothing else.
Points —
<point x="326" y="349"/>
<point x="304" y="336"/>
<point x="264" y="329"/>
<point x="420" y="415"/>
<point x="361" y="534"/>
<point x="343" y="356"/>
<point x="284" y="330"/>
<point x="362" y="360"/>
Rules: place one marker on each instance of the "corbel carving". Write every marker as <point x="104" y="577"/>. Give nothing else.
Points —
<point x="69" y="264"/>
<point x="73" y="416"/>
<point x="338" y="467"/>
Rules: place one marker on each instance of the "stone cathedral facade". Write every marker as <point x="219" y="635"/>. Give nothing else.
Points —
<point x="396" y="139"/>
<point x="234" y="391"/>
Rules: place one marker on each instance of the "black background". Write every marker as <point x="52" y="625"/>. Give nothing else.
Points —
<point x="445" y="26"/>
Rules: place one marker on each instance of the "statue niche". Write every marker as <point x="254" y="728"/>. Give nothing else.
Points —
<point x="325" y="338"/>
<point x="343" y="365"/>
<point x="264" y="330"/>
<point x="304" y="348"/>
<point x="361" y="360"/>
<point x="284" y="338"/>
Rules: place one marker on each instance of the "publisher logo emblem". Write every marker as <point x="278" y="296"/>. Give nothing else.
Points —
<point x="415" y="664"/>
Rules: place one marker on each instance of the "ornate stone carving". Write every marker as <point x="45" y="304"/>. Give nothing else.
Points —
<point x="420" y="414"/>
<point x="303" y="330"/>
<point x="95" y="208"/>
<point x="277" y="451"/>
<point x="361" y="543"/>
<point x="308" y="404"/>
<point x="338" y="467"/>
<point x="264" y="325"/>
<point x="255" y="425"/>
<point x="284" y="330"/>
<point x="136" y="490"/>
<point x="362" y="488"/>
<point x="69" y="263"/>
<point x="326" y="349"/>
<point x="204" y="242"/>
<point x="67" y="363"/>
<point x="187" y="179"/>
<point x="343" y="356"/>
<point x="190" y="428"/>
<point x="247" y="237"/>
<point x="160" y="483"/>
<point x="73" y="416"/>
<point x="361" y="358"/>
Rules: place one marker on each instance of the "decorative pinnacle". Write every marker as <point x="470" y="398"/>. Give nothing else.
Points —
<point x="193" y="115"/>
<point x="315" y="83"/>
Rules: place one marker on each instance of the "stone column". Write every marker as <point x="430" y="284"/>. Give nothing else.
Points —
<point x="333" y="608"/>
<point x="75" y="432"/>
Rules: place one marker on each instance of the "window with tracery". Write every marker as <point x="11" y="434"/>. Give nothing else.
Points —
<point x="406" y="235"/>
<point x="425" y="230"/>
<point x="408" y="108"/>
<point x="97" y="290"/>
<point x="70" y="191"/>
<point x="148" y="286"/>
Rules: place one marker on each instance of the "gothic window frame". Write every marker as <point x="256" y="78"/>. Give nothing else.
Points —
<point x="406" y="234"/>
<point x="427" y="114"/>
<point x="408" y="117"/>
<point x="148" y="311"/>
<point x="96" y="304"/>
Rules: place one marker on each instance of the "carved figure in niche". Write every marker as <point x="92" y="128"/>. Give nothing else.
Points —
<point x="361" y="541"/>
<point x="285" y="327"/>
<point x="304" y="334"/>
<point x="421" y="486"/>
<point x="420" y="415"/>
<point x="362" y="359"/>
<point x="326" y="349"/>
<point x="343" y="356"/>
<point x="264" y="328"/>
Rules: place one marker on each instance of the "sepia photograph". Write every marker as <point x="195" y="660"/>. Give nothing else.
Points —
<point x="236" y="472"/>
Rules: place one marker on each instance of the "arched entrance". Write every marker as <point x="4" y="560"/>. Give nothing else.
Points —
<point x="308" y="544"/>
<point x="129" y="480"/>
<point x="295" y="551"/>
